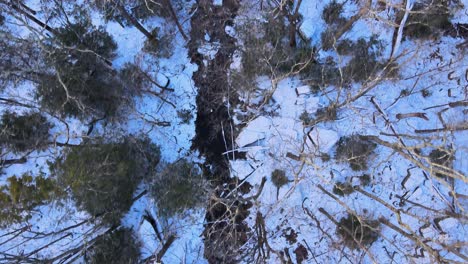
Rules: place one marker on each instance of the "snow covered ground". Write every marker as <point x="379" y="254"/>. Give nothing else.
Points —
<point x="437" y="67"/>
<point x="399" y="191"/>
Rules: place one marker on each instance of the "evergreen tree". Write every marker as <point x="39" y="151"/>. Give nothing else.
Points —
<point x="82" y="83"/>
<point x="103" y="177"/>
<point x="179" y="187"/>
<point x="118" y="247"/>
<point x="22" y="194"/>
<point x="20" y="133"/>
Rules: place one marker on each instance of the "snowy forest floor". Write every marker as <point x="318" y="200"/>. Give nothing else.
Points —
<point x="293" y="179"/>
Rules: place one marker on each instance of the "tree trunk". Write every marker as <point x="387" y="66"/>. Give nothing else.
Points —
<point x="165" y="247"/>
<point x="34" y="19"/>
<point x="176" y="20"/>
<point x="147" y="216"/>
<point x="136" y="23"/>
<point x="293" y="17"/>
<point x="12" y="161"/>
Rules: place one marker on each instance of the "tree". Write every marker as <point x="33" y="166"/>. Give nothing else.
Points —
<point x="179" y="187"/>
<point x="22" y="194"/>
<point x="118" y="247"/>
<point x="19" y="60"/>
<point x="140" y="10"/>
<point x="130" y="12"/>
<point x="103" y="177"/>
<point x="81" y="85"/>
<point x="26" y="132"/>
<point x="428" y="19"/>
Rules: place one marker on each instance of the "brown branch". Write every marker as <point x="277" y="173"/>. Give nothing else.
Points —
<point x="135" y="22"/>
<point x="461" y="127"/>
<point x="71" y="252"/>
<point x="150" y="219"/>
<point x="451" y="104"/>
<point x="408" y="115"/>
<point x="260" y="189"/>
<point x="176" y="20"/>
<point x="15" y="102"/>
<point x="417" y="240"/>
<point x="34" y="19"/>
<point x="47" y="245"/>
<point x="165" y="247"/>
<point x="159" y="96"/>
<point x="4" y="163"/>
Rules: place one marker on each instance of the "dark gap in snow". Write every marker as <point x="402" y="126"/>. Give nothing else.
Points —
<point x="214" y="132"/>
<point x="212" y="126"/>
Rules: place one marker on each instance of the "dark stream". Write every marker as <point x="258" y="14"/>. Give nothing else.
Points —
<point x="225" y="229"/>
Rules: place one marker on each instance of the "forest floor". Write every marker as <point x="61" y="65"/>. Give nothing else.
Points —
<point x="271" y="145"/>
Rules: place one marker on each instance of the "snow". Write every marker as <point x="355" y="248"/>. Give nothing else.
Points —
<point x="461" y="15"/>
<point x="209" y="50"/>
<point x="175" y="142"/>
<point x="303" y="90"/>
<point x="322" y="139"/>
<point x="275" y="138"/>
<point x="256" y="130"/>
<point x="284" y="97"/>
<point x="282" y="133"/>
<point x="312" y="24"/>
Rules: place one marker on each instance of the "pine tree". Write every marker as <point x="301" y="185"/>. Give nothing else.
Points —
<point x="103" y="177"/>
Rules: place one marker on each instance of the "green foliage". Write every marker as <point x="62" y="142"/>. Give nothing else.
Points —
<point x="357" y="232"/>
<point x="24" y="132"/>
<point x="266" y="49"/>
<point x="134" y="78"/>
<point x="321" y="74"/>
<point x="325" y="157"/>
<point x="343" y="188"/>
<point x="328" y="38"/>
<point x="404" y="93"/>
<point x="355" y="150"/>
<point x="179" y="187"/>
<point x="332" y="14"/>
<point x="442" y="157"/>
<point x="427" y="20"/>
<point x="279" y="178"/>
<point x="82" y="84"/>
<point x="142" y="10"/>
<point x="19" y="198"/>
<point x="84" y="36"/>
<point x="345" y="47"/>
<point x="103" y="177"/>
<point x="139" y="9"/>
<point x="364" y="62"/>
<point x="364" y="54"/>
<point x="119" y="247"/>
<point x="260" y="40"/>
<point x="19" y="59"/>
